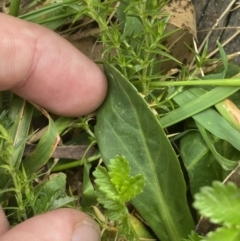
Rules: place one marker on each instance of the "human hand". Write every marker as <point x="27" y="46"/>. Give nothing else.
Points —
<point x="42" y="67"/>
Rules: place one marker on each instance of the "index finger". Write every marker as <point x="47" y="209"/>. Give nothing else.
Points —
<point x="40" y="66"/>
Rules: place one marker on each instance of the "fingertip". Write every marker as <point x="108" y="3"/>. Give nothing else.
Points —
<point x="46" y="69"/>
<point x="4" y="224"/>
<point x="58" y="225"/>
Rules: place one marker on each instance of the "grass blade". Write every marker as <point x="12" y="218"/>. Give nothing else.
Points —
<point x="197" y="105"/>
<point x="21" y="113"/>
<point x="44" y="149"/>
<point x="212" y="121"/>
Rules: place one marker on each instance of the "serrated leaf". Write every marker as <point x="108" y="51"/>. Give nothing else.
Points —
<point x="104" y="183"/>
<point x="115" y="210"/>
<point x="132" y="187"/>
<point x="224" y="234"/>
<point x="127" y="186"/>
<point x="219" y="203"/>
<point x="119" y="171"/>
<point x="193" y="237"/>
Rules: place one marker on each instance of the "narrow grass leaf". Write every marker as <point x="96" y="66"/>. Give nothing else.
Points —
<point x="51" y="16"/>
<point x="212" y="121"/>
<point x="201" y="166"/>
<point x="21" y="113"/>
<point x="44" y="149"/>
<point x="224" y="162"/>
<point x="127" y="127"/>
<point x="204" y="101"/>
<point x="89" y="197"/>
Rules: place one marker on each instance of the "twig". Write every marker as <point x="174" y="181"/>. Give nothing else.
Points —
<point x="75" y="152"/>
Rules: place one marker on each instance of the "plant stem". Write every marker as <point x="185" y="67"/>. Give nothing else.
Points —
<point x="225" y="82"/>
<point x="14" y="7"/>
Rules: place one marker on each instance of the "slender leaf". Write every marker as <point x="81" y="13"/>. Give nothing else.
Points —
<point x="197" y="105"/>
<point x="224" y="162"/>
<point x="212" y="121"/>
<point x="44" y="149"/>
<point x="126" y="126"/>
<point x="89" y="197"/>
<point x="200" y="164"/>
<point x="21" y="113"/>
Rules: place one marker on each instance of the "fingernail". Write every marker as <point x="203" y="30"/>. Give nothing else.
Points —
<point x="87" y="230"/>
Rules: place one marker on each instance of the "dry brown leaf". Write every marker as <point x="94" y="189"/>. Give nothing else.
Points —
<point x="182" y="18"/>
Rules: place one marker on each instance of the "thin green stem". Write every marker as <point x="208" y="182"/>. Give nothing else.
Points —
<point x="73" y="164"/>
<point x="225" y="82"/>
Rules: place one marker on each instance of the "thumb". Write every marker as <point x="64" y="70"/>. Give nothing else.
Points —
<point x="58" y="225"/>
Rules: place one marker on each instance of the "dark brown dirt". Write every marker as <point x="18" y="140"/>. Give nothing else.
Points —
<point x="207" y="13"/>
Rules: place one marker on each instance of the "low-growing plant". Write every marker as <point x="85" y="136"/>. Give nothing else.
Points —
<point x="160" y="137"/>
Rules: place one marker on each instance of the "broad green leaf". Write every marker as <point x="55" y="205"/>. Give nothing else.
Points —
<point x="224" y="234"/>
<point x="126" y="126"/>
<point x="219" y="203"/>
<point x="56" y="182"/>
<point x="200" y="164"/>
<point x="52" y="194"/>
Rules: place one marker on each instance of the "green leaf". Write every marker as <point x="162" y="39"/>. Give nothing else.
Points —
<point x="200" y="164"/>
<point x="224" y="162"/>
<point x="219" y="203"/>
<point x="128" y="187"/>
<point x="211" y="120"/>
<point x="44" y="149"/>
<point x="52" y="15"/>
<point x="117" y="184"/>
<point x="224" y="234"/>
<point x="193" y="237"/>
<point x="104" y="183"/>
<point x="21" y="112"/>
<point x="62" y="202"/>
<point x="204" y="100"/>
<point x="89" y="197"/>
<point x="115" y="210"/>
<point x="119" y="171"/>
<point x="127" y="127"/>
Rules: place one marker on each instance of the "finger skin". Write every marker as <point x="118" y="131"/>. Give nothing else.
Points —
<point x="44" y="68"/>
<point x="4" y="224"/>
<point x="56" y="225"/>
